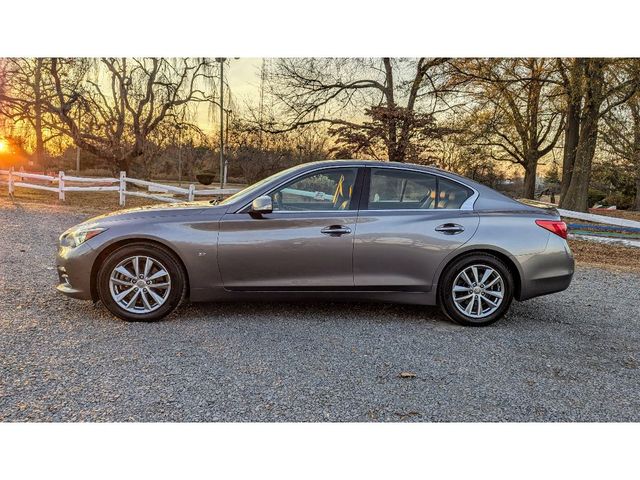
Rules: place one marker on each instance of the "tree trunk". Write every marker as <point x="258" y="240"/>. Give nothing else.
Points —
<point x="392" y="132"/>
<point x="576" y="197"/>
<point x="636" y="204"/>
<point x="122" y="165"/>
<point x="635" y="113"/>
<point x="571" y="137"/>
<point x="530" y="170"/>
<point x="37" y="94"/>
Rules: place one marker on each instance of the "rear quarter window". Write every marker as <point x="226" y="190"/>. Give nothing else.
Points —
<point x="452" y="194"/>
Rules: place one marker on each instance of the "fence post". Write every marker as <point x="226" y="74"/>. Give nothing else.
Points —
<point x="192" y="189"/>
<point x="11" y="181"/>
<point x="123" y="188"/>
<point x="61" y="185"/>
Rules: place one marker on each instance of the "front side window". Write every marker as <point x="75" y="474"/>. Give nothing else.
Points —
<point x="391" y="189"/>
<point x="330" y="189"/>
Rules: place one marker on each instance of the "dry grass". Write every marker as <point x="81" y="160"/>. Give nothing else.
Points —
<point x="604" y="255"/>
<point x="84" y="202"/>
<point x="626" y="214"/>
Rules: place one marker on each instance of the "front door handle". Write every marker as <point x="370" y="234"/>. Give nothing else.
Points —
<point x="450" y="228"/>
<point x="336" y="230"/>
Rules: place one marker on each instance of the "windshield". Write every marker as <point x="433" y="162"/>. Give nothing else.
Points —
<point x="248" y="192"/>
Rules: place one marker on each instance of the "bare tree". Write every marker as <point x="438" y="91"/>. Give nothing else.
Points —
<point x="376" y="107"/>
<point x="621" y="134"/>
<point x="593" y="87"/>
<point x="113" y="112"/>
<point x="513" y="111"/>
<point x="23" y="99"/>
<point x="260" y="154"/>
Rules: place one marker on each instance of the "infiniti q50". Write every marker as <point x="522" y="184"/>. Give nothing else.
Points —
<point x="332" y="230"/>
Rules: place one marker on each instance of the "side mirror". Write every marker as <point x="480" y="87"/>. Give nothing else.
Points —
<point x="262" y="204"/>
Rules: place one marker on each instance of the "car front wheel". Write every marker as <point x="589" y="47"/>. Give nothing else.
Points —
<point x="476" y="290"/>
<point x="141" y="282"/>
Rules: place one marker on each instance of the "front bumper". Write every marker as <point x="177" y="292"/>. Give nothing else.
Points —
<point x="74" y="266"/>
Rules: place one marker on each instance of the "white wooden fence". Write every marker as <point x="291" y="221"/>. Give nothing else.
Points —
<point x="59" y="185"/>
<point x="591" y="217"/>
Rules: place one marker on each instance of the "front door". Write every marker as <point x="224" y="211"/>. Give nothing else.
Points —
<point x="409" y="222"/>
<point x="306" y="243"/>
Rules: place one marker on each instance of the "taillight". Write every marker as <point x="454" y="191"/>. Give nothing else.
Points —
<point x="554" y="226"/>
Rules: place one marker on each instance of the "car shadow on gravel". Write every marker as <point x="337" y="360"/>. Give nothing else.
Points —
<point x="314" y="311"/>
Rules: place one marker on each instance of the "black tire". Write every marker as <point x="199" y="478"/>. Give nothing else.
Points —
<point x="445" y="294"/>
<point x="173" y="266"/>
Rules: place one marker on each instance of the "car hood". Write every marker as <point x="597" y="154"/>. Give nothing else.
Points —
<point x="156" y="211"/>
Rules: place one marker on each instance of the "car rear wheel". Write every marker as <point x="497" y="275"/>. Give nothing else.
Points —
<point x="476" y="290"/>
<point x="141" y="282"/>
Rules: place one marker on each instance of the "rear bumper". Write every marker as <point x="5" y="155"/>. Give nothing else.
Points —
<point x="548" y="272"/>
<point x="546" y="286"/>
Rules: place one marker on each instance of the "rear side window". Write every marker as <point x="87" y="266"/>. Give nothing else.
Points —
<point x="451" y="194"/>
<point x="391" y="189"/>
<point x="401" y="189"/>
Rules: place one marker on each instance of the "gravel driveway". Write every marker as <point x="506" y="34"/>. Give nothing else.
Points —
<point x="572" y="356"/>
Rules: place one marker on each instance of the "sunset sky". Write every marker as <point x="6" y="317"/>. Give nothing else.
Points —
<point x="244" y="78"/>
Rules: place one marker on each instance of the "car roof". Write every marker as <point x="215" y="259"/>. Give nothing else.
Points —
<point x="385" y="164"/>
<point x="367" y="163"/>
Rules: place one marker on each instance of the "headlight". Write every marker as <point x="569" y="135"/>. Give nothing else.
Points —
<point x="78" y="235"/>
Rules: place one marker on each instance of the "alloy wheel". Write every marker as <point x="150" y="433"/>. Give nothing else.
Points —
<point x="478" y="291"/>
<point x="140" y="284"/>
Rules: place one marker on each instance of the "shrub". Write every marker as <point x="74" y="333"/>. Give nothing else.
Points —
<point x="620" y="200"/>
<point x="595" y="196"/>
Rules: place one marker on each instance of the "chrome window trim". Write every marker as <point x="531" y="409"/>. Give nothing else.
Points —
<point x="419" y="210"/>
<point x="467" y="205"/>
<point x="276" y="212"/>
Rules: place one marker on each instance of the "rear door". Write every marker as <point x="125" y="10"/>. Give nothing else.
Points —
<point x="408" y="223"/>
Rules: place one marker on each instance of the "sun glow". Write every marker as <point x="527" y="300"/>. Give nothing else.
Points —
<point x="4" y="146"/>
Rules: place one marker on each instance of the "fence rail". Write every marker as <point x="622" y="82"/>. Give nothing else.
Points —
<point x="58" y="184"/>
<point x="592" y="217"/>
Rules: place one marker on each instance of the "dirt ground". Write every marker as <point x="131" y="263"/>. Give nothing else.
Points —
<point x="569" y="357"/>
<point x="626" y="214"/>
<point x="83" y="202"/>
<point x="606" y="255"/>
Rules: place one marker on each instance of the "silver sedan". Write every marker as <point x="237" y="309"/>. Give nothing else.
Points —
<point x="333" y="230"/>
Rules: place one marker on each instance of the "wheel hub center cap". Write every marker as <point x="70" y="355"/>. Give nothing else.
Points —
<point x="477" y="289"/>
<point x="141" y="283"/>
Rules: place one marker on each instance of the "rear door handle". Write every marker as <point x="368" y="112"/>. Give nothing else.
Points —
<point x="336" y="230"/>
<point x="450" y="228"/>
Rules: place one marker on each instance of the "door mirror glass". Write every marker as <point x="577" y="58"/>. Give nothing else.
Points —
<point x="262" y="204"/>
